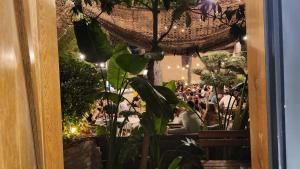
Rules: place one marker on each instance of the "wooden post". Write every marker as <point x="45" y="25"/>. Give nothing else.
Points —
<point x="30" y="125"/>
<point x="257" y="84"/>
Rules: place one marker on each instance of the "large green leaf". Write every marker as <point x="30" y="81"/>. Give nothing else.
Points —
<point x="155" y="102"/>
<point x="115" y="75"/>
<point x="175" y="163"/>
<point x="171" y="85"/>
<point x="121" y="48"/>
<point x="92" y="41"/>
<point x="168" y="94"/>
<point x="186" y="106"/>
<point x="114" y="97"/>
<point x="133" y="64"/>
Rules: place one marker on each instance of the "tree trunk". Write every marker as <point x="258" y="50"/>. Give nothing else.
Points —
<point x="145" y="151"/>
<point x="152" y="79"/>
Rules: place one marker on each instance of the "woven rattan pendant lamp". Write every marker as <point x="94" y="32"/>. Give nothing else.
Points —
<point x="134" y="25"/>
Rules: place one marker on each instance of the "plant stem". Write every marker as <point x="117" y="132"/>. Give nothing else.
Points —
<point x="145" y="150"/>
<point x="218" y="107"/>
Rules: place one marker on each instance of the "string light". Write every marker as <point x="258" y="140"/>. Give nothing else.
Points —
<point x="81" y="56"/>
<point x="187" y="66"/>
<point x="145" y="72"/>
<point x="197" y="64"/>
<point x="174" y="27"/>
<point x="182" y="78"/>
<point x="169" y="67"/>
<point x="178" y="67"/>
<point x="186" y="83"/>
<point x="245" y="38"/>
<point x="183" y="68"/>
<point x="73" y="130"/>
<point x="102" y="65"/>
<point x="182" y="30"/>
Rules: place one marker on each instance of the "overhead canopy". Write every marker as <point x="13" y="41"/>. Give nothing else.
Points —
<point x="134" y="25"/>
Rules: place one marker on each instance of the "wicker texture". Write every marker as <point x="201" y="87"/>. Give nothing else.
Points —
<point x="134" y="25"/>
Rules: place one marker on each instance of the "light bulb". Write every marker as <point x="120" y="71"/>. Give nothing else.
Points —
<point x="73" y="130"/>
<point x="81" y="56"/>
<point x="145" y="72"/>
<point x="102" y="65"/>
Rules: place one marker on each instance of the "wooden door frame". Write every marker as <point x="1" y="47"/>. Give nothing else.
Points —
<point x="266" y="87"/>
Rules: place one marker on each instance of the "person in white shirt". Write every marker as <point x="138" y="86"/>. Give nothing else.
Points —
<point x="123" y="106"/>
<point x="224" y="102"/>
<point x="190" y="121"/>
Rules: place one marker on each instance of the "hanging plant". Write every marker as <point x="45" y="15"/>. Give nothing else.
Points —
<point x="92" y="41"/>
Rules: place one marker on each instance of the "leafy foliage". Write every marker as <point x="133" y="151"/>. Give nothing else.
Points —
<point x="92" y="41"/>
<point x="221" y="69"/>
<point x="80" y="83"/>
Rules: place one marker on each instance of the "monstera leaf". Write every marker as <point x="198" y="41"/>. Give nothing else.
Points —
<point x="133" y="64"/>
<point x="91" y="41"/>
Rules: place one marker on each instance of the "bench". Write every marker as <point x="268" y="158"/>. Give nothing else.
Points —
<point x="226" y="164"/>
<point x="213" y="142"/>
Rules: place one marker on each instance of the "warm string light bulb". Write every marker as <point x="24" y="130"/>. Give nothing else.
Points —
<point x="73" y="130"/>
<point x="102" y="65"/>
<point x="81" y="56"/>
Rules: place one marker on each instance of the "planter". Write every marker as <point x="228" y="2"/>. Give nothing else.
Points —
<point x="82" y="154"/>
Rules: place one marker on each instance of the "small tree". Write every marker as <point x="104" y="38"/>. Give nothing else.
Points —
<point x="222" y="69"/>
<point x="79" y="81"/>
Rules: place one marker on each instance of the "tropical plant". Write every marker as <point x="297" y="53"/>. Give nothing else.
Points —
<point x="222" y="69"/>
<point x="79" y="82"/>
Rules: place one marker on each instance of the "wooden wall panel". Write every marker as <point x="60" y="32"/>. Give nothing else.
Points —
<point x="16" y="137"/>
<point x="257" y="84"/>
<point x="30" y="123"/>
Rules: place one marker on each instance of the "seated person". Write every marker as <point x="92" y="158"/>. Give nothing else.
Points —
<point x="210" y="116"/>
<point x="224" y="102"/>
<point x="177" y="116"/>
<point x="190" y="120"/>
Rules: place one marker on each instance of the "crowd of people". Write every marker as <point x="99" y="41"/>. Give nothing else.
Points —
<point x="206" y="103"/>
<point x="202" y="100"/>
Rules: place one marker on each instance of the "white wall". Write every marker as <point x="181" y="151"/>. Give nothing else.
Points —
<point x="291" y="45"/>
